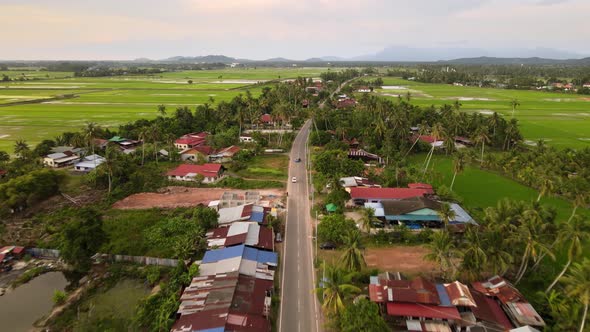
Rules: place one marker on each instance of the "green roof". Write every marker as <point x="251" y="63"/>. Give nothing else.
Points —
<point x="117" y="139"/>
<point x="331" y="207"/>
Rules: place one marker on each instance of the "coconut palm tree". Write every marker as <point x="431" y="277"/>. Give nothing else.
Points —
<point x="580" y="200"/>
<point x="352" y="258"/>
<point x="89" y="132"/>
<point x="436" y="132"/>
<point x="368" y="217"/>
<point x="514" y="103"/>
<point x="162" y="110"/>
<point x="577" y="286"/>
<point x="144" y="133"/>
<point x="110" y="165"/>
<point x="458" y="166"/>
<point x="336" y="288"/>
<point x="4" y="157"/>
<point x="529" y="231"/>
<point x="474" y="255"/>
<point x="442" y="252"/>
<point x="21" y="148"/>
<point x="481" y="137"/>
<point x="499" y="259"/>
<point x="546" y="186"/>
<point x="155" y="136"/>
<point x="571" y="235"/>
<point x="494" y="121"/>
<point x="446" y="214"/>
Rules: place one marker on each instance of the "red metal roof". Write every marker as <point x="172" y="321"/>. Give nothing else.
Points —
<point x="18" y="250"/>
<point x="2" y="257"/>
<point x="422" y="310"/>
<point x="489" y="310"/>
<point x="266" y="118"/>
<point x="500" y="288"/>
<point x="387" y="193"/>
<point x="205" y="170"/>
<point x="265" y="238"/>
<point x="230" y="151"/>
<point x="427" y="139"/>
<point x="459" y="294"/>
<point x="419" y="185"/>
<point x="3" y="172"/>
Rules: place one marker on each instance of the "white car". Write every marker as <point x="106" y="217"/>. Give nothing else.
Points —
<point x="294" y="179"/>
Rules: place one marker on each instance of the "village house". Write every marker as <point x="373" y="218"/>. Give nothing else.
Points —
<point x="518" y="310"/>
<point x="125" y="145"/>
<point x="246" y="139"/>
<point x="225" y="302"/>
<point x="60" y="159"/>
<point x="233" y="292"/>
<point x="251" y="234"/>
<point x="586" y="85"/>
<point x="201" y="152"/>
<point x="209" y="172"/>
<point x="345" y="103"/>
<point x="225" y="155"/>
<point x="3" y="173"/>
<point x="364" y="89"/>
<point x="362" y="195"/>
<point x="191" y="140"/>
<point x="419" y="212"/>
<point x="245" y="212"/>
<point x="360" y="154"/>
<point x="89" y="163"/>
<point x="421" y="305"/>
<point x="9" y="254"/>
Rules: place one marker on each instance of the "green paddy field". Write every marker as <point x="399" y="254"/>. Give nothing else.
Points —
<point x="111" y="101"/>
<point x="563" y="120"/>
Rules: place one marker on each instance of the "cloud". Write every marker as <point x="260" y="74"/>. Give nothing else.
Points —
<point x="289" y="28"/>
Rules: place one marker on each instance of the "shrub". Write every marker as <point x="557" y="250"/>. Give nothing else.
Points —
<point x="59" y="297"/>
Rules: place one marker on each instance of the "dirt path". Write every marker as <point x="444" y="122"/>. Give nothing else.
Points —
<point x="173" y="197"/>
<point x="405" y="259"/>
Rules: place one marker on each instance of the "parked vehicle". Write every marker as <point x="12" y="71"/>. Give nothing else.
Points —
<point x="328" y="246"/>
<point x="298" y="160"/>
<point x="278" y="238"/>
<point x="294" y="179"/>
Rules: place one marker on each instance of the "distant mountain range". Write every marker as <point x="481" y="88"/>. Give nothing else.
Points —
<point x="404" y="54"/>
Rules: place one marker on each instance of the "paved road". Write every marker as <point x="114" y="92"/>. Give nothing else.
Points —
<point x="299" y="306"/>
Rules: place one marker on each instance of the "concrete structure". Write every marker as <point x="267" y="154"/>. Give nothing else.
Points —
<point x="191" y="140"/>
<point x="89" y="163"/>
<point x="60" y="159"/>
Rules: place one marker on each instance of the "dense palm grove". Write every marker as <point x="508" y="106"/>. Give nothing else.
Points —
<point x="523" y="241"/>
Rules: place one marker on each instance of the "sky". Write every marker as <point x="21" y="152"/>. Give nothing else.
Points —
<point x="294" y="29"/>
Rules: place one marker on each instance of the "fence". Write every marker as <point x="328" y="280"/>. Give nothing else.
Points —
<point x="41" y="252"/>
<point x="143" y="260"/>
<point x="52" y="253"/>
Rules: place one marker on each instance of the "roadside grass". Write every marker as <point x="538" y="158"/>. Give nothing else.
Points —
<point x="267" y="167"/>
<point x="563" y="120"/>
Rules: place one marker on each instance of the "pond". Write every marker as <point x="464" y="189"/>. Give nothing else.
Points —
<point x="21" y="307"/>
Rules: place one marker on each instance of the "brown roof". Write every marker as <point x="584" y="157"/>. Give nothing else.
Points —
<point x="489" y="310"/>
<point x="408" y="205"/>
<point x="459" y="294"/>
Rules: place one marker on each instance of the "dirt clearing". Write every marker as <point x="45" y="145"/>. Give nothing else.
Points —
<point x="172" y="197"/>
<point x="405" y="259"/>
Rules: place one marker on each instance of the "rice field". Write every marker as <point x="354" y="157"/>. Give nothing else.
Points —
<point x="111" y="101"/>
<point x="563" y="120"/>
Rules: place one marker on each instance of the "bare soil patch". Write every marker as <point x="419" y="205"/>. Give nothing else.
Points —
<point x="173" y="197"/>
<point x="405" y="259"/>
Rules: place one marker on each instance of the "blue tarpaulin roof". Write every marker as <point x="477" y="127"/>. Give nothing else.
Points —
<point x="443" y="295"/>
<point x="257" y="217"/>
<point x="260" y="256"/>
<point x="212" y="256"/>
<point x="215" y="329"/>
